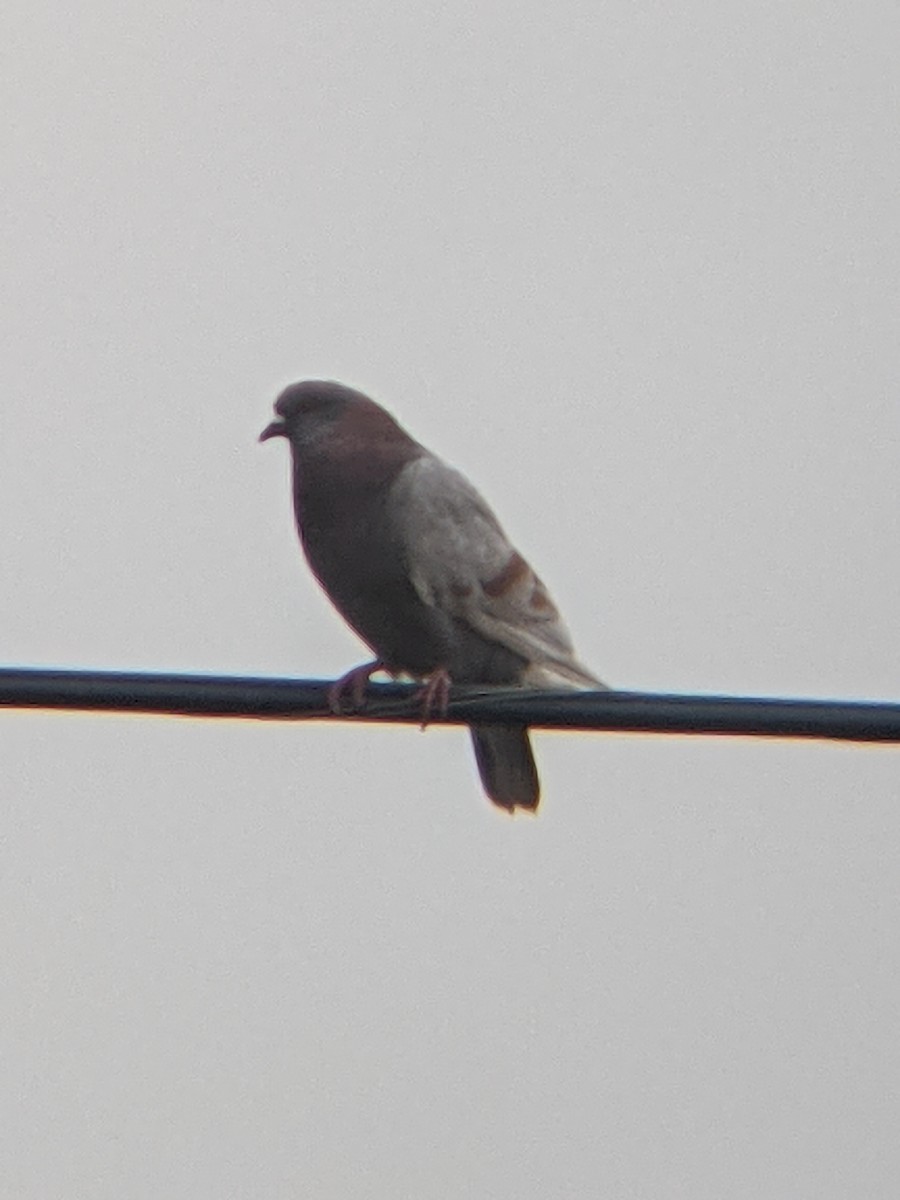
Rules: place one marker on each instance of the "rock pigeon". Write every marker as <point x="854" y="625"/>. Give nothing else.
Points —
<point x="418" y="565"/>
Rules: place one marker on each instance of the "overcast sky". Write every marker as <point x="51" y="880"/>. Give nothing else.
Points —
<point x="633" y="268"/>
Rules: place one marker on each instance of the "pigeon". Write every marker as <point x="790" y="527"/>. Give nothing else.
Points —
<point x="417" y="564"/>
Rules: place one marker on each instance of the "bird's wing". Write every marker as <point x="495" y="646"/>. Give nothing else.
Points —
<point x="461" y="562"/>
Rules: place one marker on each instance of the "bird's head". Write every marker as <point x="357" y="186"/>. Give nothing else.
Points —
<point x="321" y="418"/>
<point x="307" y="410"/>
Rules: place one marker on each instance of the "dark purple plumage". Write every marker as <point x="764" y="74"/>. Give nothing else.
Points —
<point x="417" y="564"/>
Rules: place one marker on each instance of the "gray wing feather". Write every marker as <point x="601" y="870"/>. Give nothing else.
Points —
<point x="462" y="563"/>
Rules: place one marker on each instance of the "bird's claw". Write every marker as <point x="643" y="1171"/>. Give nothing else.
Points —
<point x="352" y="685"/>
<point x="434" y="695"/>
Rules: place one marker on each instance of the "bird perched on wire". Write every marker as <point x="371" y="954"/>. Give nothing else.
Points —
<point x="417" y="563"/>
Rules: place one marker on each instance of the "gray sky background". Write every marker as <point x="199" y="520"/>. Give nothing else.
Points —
<point x="635" y="270"/>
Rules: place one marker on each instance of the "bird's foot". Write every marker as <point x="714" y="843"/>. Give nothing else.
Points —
<point x="353" y="686"/>
<point x="434" y="696"/>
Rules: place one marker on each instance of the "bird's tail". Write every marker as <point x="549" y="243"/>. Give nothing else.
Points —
<point x="506" y="765"/>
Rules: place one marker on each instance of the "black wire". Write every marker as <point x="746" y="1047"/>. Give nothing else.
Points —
<point x="293" y="699"/>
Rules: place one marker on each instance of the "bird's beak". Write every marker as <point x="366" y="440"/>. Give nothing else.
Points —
<point x="276" y="429"/>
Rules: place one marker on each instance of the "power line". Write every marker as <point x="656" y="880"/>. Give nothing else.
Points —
<point x="296" y="699"/>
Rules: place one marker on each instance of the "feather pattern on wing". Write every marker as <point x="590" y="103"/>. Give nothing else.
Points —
<point x="462" y="563"/>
